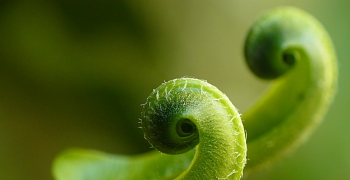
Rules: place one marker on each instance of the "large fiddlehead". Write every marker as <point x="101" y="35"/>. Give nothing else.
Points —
<point x="286" y="45"/>
<point x="177" y="116"/>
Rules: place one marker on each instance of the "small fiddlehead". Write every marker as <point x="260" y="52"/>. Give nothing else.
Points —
<point x="286" y="45"/>
<point x="291" y="47"/>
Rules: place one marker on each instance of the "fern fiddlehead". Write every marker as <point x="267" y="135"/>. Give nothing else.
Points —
<point x="293" y="48"/>
<point x="185" y="112"/>
<point x="286" y="45"/>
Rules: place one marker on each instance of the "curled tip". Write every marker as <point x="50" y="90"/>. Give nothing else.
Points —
<point x="164" y="121"/>
<point x="271" y="47"/>
<point x="185" y="113"/>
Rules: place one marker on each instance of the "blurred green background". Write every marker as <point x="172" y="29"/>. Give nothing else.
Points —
<point x="74" y="73"/>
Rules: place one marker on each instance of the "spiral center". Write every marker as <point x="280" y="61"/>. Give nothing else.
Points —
<point x="185" y="127"/>
<point x="289" y="58"/>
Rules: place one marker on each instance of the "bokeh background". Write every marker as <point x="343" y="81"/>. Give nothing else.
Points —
<point x="74" y="73"/>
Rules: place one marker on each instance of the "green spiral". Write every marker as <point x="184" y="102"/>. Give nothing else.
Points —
<point x="185" y="112"/>
<point x="201" y="132"/>
<point x="292" y="48"/>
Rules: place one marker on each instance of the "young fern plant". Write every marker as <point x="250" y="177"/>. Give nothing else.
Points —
<point x="201" y="132"/>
